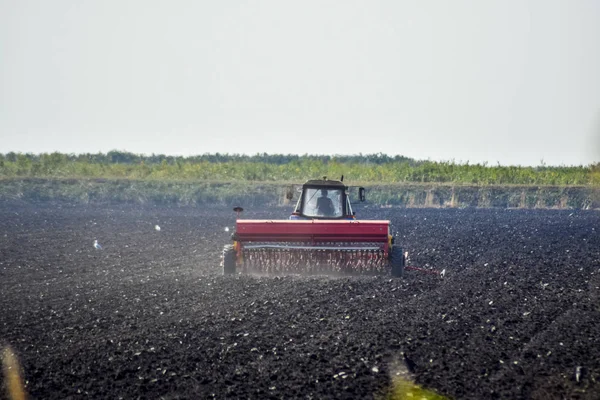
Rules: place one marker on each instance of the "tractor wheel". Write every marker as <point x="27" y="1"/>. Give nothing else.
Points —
<point x="229" y="257"/>
<point x="397" y="261"/>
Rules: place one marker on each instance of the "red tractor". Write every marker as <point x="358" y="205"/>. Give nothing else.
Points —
<point x="322" y="236"/>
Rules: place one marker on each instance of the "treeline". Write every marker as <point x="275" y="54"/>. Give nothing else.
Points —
<point x="374" y="168"/>
<point x="123" y="157"/>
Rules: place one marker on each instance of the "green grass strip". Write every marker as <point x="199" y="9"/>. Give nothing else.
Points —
<point x="403" y="389"/>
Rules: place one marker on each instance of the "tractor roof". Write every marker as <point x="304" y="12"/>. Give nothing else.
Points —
<point x="325" y="183"/>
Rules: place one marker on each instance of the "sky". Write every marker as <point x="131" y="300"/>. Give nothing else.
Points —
<point x="514" y="82"/>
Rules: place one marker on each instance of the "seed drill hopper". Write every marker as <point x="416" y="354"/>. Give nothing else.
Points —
<point x="322" y="236"/>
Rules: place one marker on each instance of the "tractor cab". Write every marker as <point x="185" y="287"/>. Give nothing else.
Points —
<point x="324" y="199"/>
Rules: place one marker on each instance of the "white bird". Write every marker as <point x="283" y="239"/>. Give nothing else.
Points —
<point x="97" y="245"/>
<point x="157" y="228"/>
<point x="443" y="273"/>
<point x="226" y="229"/>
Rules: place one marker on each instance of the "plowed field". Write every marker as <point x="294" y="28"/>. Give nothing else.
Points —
<point x="150" y="316"/>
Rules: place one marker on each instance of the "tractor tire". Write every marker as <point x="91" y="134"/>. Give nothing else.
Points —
<point x="397" y="262"/>
<point x="229" y="257"/>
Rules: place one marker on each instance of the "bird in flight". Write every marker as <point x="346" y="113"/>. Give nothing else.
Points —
<point x="97" y="245"/>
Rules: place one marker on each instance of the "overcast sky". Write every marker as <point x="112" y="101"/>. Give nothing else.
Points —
<point x="509" y="81"/>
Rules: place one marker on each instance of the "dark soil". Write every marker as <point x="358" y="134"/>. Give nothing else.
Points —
<point x="150" y="316"/>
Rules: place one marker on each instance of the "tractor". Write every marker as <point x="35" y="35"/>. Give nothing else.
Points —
<point x="322" y="236"/>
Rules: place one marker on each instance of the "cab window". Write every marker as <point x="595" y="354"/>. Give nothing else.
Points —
<point x="325" y="203"/>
